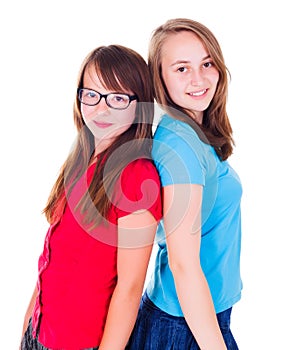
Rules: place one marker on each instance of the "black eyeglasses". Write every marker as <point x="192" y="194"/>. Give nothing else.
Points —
<point x="113" y="100"/>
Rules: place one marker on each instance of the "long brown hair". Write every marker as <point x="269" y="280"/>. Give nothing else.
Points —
<point x="119" y="69"/>
<point x="216" y="125"/>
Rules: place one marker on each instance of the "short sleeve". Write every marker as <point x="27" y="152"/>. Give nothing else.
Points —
<point x="139" y="188"/>
<point x="178" y="154"/>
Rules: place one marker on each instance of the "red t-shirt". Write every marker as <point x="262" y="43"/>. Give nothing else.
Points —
<point x="77" y="269"/>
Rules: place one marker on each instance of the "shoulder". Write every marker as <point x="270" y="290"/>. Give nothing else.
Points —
<point x="140" y="168"/>
<point x="179" y="154"/>
<point x="139" y="188"/>
<point x="175" y="137"/>
<point x="175" y="133"/>
<point x="170" y="125"/>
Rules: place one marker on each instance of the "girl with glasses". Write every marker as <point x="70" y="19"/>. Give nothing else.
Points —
<point x="103" y="211"/>
<point x="189" y="299"/>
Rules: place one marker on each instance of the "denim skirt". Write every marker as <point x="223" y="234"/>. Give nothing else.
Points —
<point x="30" y="343"/>
<point x="157" y="330"/>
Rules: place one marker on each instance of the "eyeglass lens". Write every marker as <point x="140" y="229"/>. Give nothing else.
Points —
<point x="91" y="98"/>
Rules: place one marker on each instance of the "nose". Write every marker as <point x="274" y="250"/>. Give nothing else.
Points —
<point x="196" y="78"/>
<point x="102" y="107"/>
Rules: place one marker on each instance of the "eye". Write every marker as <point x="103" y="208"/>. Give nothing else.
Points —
<point x="208" y="64"/>
<point x="91" y="94"/>
<point x="182" y="69"/>
<point x="118" y="101"/>
<point x="119" y="98"/>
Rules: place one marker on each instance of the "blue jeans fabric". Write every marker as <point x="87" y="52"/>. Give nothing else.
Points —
<point x="157" y="330"/>
<point x="29" y="343"/>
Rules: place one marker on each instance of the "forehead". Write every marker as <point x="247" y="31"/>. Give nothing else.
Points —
<point x="183" y="45"/>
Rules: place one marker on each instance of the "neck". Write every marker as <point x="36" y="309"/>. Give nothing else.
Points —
<point x="198" y="117"/>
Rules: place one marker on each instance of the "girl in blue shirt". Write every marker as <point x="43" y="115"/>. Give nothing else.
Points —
<point x="196" y="281"/>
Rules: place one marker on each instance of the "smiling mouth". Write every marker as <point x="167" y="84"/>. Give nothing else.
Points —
<point x="102" y="125"/>
<point x="198" y="93"/>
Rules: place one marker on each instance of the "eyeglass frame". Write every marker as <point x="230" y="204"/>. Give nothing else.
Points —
<point x="131" y="98"/>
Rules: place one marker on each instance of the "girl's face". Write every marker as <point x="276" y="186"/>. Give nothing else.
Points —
<point x="105" y="122"/>
<point x="188" y="72"/>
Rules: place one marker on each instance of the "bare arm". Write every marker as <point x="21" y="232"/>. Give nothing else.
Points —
<point x="182" y="204"/>
<point x="136" y="234"/>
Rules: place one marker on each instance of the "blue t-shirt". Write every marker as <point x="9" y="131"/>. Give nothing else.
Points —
<point x="182" y="158"/>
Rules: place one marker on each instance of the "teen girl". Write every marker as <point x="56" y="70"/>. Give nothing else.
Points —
<point x="188" y="302"/>
<point x="103" y="212"/>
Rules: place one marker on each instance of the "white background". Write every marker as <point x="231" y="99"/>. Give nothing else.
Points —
<point x="42" y="47"/>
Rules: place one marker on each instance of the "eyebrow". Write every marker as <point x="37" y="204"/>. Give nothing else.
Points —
<point x="187" y="61"/>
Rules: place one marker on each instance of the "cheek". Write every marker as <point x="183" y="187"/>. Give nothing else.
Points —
<point x="175" y="91"/>
<point x="171" y="84"/>
<point x="215" y="77"/>
<point x="127" y="122"/>
<point x="86" y="114"/>
<point x="167" y="80"/>
<point x="128" y="117"/>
